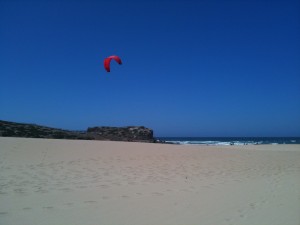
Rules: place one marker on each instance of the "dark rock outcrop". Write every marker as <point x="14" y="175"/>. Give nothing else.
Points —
<point x="131" y="133"/>
<point x="12" y="129"/>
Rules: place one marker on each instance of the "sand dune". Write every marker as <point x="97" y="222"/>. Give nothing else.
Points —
<point x="45" y="181"/>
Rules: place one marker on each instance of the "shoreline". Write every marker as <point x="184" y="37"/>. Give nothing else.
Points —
<point x="231" y="140"/>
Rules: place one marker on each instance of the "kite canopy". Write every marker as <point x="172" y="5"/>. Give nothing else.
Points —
<point x="108" y="59"/>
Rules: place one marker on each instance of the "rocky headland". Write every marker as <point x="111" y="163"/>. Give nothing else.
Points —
<point x="130" y="133"/>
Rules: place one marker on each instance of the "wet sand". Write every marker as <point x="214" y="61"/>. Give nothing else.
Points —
<point x="45" y="181"/>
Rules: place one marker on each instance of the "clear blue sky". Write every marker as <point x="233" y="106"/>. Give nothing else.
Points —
<point x="190" y="68"/>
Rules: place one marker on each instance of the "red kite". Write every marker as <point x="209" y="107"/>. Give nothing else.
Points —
<point x="108" y="59"/>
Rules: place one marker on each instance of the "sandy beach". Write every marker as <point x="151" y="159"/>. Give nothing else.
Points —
<point x="55" y="182"/>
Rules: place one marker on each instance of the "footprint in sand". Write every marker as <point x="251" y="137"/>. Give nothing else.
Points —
<point x="240" y="211"/>
<point x="20" y="190"/>
<point x="104" y="186"/>
<point x="83" y="186"/>
<point x="264" y="201"/>
<point x="42" y="191"/>
<point x="157" y="194"/>
<point x="252" y="205"/>
<point x="69" y="204"/>
<point x="132" y="183"/>
<point x="90" y="202"/>
<point x="125" y="196"/>
<point x="26" y="208"/>
<point x="65" y="189"/>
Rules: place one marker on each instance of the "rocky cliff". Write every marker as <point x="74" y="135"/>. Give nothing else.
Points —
<point x="131" y="133"/>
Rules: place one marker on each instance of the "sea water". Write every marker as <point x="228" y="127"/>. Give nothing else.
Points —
<point x="230" y="140"/>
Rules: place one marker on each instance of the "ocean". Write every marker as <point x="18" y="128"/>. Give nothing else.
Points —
<point x="230" y="140"/>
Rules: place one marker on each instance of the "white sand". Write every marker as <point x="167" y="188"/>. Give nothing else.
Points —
<point x="69" y="182"/>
